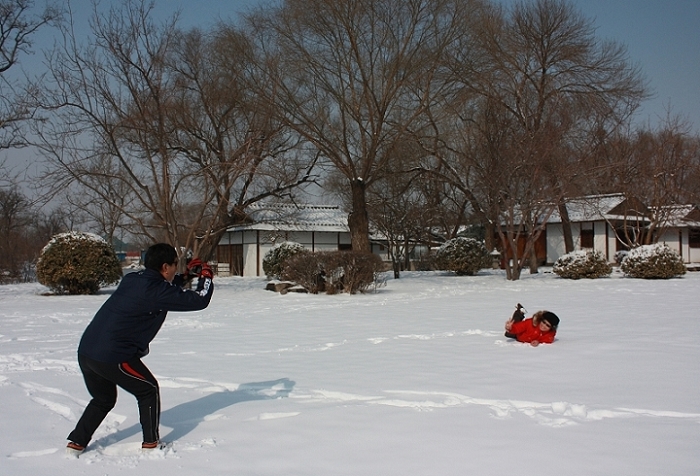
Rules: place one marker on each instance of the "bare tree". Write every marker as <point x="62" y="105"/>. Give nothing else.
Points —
<point x="106" y="216"/>
<point x="657" y="170"/>
<point x="569" y="85"/>
<point x="400" y="211"/>
<point x="15" y="218"/>
<point x="227" y="132"/>
<point x="24" y="229"/>
<point x="535" y="86"/>
<point x="353" y="77"/>
<point x="506" y="187"/>
<point x="158" y="126"/>
<point x="110" y="122"/>
<point x="19" y="21"/>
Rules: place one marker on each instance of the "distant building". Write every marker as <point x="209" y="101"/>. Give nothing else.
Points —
<point x="317" y="227"/>
<point x="597" y="221"/>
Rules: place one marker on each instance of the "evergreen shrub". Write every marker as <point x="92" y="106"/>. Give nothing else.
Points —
<point x="463" y="256"/>
<point x="582" y="264"/>
<point x="274" y="260"/>
<point x="656" y="261"/>
<point x="78" y="263"/>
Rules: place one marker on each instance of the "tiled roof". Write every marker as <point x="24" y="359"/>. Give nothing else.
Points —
<point x="683" y="215"/>
<point x="617" y="207"/>
<point x="291" y="217"/>
<point x="589" y="208"/>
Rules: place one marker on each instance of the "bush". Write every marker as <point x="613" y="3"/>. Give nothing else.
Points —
<point x="335" y="271"/>
<point x="305" y="269"/>
<point x="656" y="261"/>
<point x="582" y="264"/>
<point x="464" y="256"/>
<point x="273" y="261"/>
<point x="78" y="263"/>
<point x="352" y="271"/>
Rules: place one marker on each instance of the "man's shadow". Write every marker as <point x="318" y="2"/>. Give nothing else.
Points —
<point x="185" y="417"/>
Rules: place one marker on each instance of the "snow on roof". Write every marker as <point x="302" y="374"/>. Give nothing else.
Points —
<point x="616" y="206"/>
<point x="589" y="208"/>
<point x="295" y="217"/>
<point x="682" y="215"/>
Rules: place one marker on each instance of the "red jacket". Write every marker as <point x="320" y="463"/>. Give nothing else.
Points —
<point x="526" y="331"/>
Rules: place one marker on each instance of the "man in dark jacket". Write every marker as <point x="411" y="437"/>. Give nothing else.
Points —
<point x="118" y="336"/>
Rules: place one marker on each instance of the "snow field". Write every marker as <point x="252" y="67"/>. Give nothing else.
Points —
<point x="416" y="378"/>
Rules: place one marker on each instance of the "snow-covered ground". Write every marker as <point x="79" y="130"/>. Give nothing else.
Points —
<point x="416" y="379"/>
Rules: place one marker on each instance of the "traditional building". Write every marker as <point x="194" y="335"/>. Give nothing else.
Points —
<point x="317" y="227"/>
<point x="599" y="221"/>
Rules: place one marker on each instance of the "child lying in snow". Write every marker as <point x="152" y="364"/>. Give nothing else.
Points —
<point x="539" y="329"/>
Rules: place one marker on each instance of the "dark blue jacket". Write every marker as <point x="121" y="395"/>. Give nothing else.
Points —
<point x="129" y="320"/>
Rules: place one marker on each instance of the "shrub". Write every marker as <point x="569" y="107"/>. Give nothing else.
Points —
<point x="273" y="261"/>
<point x="77" y="263"/>
<point x="582" y="264"/>
<point x="352" y="271"/>
<point x="656" y="261"/>
<point x="464" y="256"/>
<point x="334" y="271"/>
<point x="305" y="269"/>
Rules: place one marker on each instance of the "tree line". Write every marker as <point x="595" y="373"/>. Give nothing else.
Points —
<point x="421" y="116"/>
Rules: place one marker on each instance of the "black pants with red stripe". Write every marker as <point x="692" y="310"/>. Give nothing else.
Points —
<point x="101" y="380"/>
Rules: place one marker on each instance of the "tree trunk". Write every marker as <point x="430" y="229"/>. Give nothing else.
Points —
<point x="406" y="254"/>
<point x="397" y="271"/>
<point x="566" y="227"/>
<point x="534" y="265"/>
<point x="511" y="261"/>
<point x="489" y="235"/>
<point x="358" y="220"/>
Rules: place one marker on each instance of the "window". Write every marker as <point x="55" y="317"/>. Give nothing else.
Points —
<point x="694" y="237"/>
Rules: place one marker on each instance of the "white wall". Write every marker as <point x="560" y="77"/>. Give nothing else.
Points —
<point x="605" y="241"/>
<point x="680" y="243"/>
<point x="556" y="246"/>
<point x="694" y="255"/>
<point x="601" y="240"/>
<point x="555" y="242"/>
<point x="257" y="243"/>
<point x="673" y="240"/>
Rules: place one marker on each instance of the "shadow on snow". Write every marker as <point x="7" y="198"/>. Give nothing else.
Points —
<point x="185" y="417"/>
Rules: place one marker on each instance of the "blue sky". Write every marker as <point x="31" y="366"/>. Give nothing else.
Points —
<point x="663" y="37"/>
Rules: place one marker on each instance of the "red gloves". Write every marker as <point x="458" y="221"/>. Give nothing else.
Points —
<point x="196" y="267"/>
<point x="206" y="271"/>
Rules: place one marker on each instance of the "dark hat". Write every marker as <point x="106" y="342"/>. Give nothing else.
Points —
<point x="551" y="318"/>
